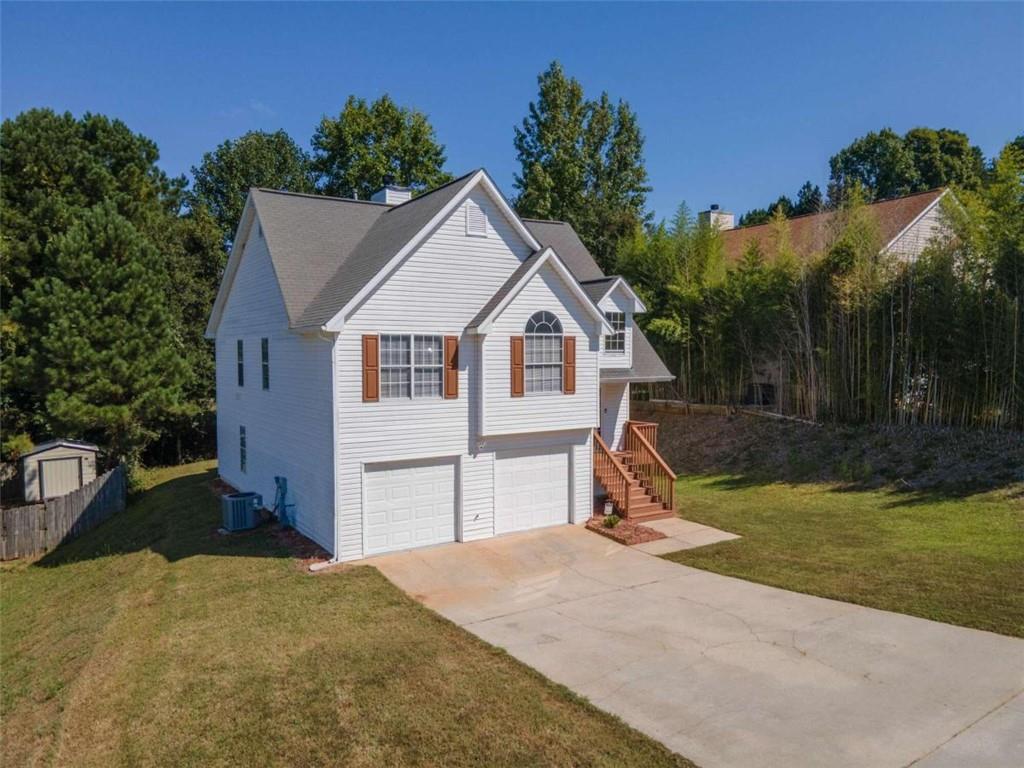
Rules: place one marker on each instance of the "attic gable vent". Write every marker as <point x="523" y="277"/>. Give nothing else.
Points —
<point x="476" y="220"/>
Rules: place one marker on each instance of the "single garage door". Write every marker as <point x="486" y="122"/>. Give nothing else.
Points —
<point x="409" y="504"/>
<point x="531" y="489"/>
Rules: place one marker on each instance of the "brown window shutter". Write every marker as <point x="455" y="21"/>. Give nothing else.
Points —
<point x="371" y="369"/>
<point x="451" y="367"/>
<point x="517" y="366"/>
<point x="569" y="365"/>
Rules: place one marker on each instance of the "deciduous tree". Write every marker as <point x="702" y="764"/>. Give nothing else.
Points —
<point x="256" y="159"/>
<point x="369" y="145"/>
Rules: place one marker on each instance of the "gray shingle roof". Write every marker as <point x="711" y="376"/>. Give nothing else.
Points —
<point x="309" y="237"/>
<point x="503" y="291"/>
<point x="647" y="366"/>
<point x="326" y="249"/>
<point x="567" y="244"/>
<point x="388" y="235"/>
<point x="596" y="289"/>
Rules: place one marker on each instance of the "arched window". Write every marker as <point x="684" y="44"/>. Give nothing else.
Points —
<point x="543" y="354"/>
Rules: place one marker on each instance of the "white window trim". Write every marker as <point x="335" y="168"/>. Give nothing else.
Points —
<point x="412" y="367"/>
<point x="605" y="338"/>
<point x="527" y="392"/>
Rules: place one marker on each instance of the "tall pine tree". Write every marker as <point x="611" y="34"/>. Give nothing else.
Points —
<point x="106" y="362"/>
<point x="581" y="161"/>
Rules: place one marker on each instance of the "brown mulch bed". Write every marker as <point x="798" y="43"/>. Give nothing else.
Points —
<point x="305" y="551"/>
<point x="626" y="532"/>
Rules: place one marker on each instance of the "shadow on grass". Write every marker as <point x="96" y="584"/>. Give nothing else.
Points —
<point x="177" y="518"/>
<point x="899" y="495"/>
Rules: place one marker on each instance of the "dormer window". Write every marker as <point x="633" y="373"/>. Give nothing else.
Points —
<point x="616" y="341"/>
<point x="476" y="220"/>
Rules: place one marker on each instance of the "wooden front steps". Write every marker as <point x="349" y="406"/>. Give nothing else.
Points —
<point x="637" y="482"/>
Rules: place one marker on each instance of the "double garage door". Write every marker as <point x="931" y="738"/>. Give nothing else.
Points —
<point x="413" y="504"/>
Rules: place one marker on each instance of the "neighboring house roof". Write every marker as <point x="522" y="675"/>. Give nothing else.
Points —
<point x="520" y="277"/>
<point x="59" y="443"/>
<point x="809" y="234"/>
<point x="647" y="366"/>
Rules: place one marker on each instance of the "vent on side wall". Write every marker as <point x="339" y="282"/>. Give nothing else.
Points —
<point x="476" y="220"/>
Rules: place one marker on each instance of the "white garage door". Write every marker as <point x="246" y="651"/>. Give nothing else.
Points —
<point x="411" y="504"/>
<point x="531" y="489"/>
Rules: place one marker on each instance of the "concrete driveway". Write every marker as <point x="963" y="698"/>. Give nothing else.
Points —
<point x="726" y="672"/>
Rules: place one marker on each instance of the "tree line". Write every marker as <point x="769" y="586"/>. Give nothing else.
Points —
<point x="109" y="267"/>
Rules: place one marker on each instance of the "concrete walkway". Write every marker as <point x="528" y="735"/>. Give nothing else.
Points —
<point x="724" y="671"/>
<point x="682" y="534"/>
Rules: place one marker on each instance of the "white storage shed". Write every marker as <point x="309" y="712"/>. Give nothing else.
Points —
<point x="57" y="467"/>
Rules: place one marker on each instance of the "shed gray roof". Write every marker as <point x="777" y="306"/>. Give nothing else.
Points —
<point x="50" y="444"/>
<point x="647" y="366"/>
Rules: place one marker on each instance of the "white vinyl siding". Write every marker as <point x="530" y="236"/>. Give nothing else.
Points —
<point x="504" y="414"/>
<point x="288" y="427"/>
<point x="430" y="294"/>
<point x="929" y="227"/>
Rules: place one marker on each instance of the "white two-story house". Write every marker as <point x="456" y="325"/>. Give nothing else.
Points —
<point x="426" y="370"/>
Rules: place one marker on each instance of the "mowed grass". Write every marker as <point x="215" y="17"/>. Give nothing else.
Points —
<point x="956" y="560"/>
<point x="154" y="641"/>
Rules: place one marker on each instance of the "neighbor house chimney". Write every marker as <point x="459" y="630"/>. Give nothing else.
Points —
<point x="392" y="195"/>
<point x="717" y="218"/>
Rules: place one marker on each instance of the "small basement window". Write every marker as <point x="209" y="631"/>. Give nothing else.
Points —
<point x="476" y="220"/>
<point x="265" y="360"/>
<point x="241" y="448"/>
<point x="241" y="363"/>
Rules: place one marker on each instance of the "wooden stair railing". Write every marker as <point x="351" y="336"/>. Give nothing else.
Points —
<point x="612" y="475"/>
<point x="645" y="460"/>
<point x="648" y="429"/>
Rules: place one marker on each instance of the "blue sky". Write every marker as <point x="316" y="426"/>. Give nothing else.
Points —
<point x="739" y="102"/>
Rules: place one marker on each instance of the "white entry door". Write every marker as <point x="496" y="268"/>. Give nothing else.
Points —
<point x="531" y="489"/>
<point x="409" y="504"/>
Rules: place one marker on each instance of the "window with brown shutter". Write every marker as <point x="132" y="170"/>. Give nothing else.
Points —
<point x="451" y="367"/>
<point x="569" y="365"/>
<point x="517" y="366"/>
<point x="371" y="369"/>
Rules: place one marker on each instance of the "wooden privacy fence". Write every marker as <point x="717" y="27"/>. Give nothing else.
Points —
<point x="36" y="528"/>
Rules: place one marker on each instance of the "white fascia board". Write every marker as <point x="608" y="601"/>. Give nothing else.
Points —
<point x="337" y="323"/>
<point x="231" y="268"/>
<point x="916" y="219"/>
<point x="548" y="255"/>
<point x="620" y="282"/>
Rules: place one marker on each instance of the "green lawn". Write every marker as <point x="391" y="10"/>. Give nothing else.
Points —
<point x="154" y="641"/>
<point x="957" y="560"/>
